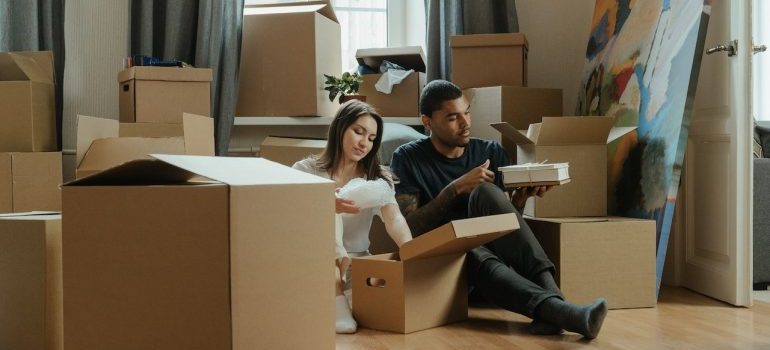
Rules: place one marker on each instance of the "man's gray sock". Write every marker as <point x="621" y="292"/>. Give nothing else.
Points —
<point x="584" y="319"/>
<point x="539" y="326"/>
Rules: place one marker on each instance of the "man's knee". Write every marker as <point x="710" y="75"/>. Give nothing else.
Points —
<point x="488" y="199"/>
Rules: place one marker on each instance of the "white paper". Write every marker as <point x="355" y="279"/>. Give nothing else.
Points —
<point x="391" y="78"/>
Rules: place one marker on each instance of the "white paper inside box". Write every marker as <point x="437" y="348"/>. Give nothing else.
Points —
<point x="423" y="285"/>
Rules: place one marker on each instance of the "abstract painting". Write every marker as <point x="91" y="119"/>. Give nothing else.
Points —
<point x="642" y="65"/>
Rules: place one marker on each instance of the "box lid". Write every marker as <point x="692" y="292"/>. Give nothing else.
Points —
<point x="323" y="7"/>
<point x="498" y="39"/>
<point x="409" y="57"/>
<point x="278" y="141"/>
<point x="179" y="169"/>
<point x="165" y="74"/>
<point x="34" y="66"/>
<point x="559" y="131"/>
<point x="459" y="236"/>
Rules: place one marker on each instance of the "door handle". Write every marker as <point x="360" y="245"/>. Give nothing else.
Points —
<point x="731" y="49"/>
<point x="758" y="48"/>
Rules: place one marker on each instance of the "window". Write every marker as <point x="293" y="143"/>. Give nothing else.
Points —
<point x="373" y="23"/>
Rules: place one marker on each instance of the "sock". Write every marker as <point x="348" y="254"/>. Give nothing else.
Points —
<point x="584" y="319"/>
<point x="538" y="326"/>
<point x="345" y="321"/>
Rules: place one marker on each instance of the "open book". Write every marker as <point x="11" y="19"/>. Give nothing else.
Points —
<point x="535" y="174"/>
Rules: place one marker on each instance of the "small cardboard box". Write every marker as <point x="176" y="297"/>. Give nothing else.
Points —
<point x="579" y="141"/>
<point x="607" y="257"/>
<point x="155" y="260"/>
<point x="31" y="281"/>
<point x="105" y="143"/>
<point x="286" y="50"/>
<point x="423" y="286"/>
<point x="480" y="60"/>
<point x="162" y="94"/>
<point x="287" y="150"/>
<point x="518" y="106"/>
<point x="27" y="105"/>
<point x="30" y="181"/>
<point x="404" y="99"/>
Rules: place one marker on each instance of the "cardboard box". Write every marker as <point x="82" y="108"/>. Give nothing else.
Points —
<point x="162" y="94"/>
<point x="424" y="285"/>
<point x="518" y="106"/>
<point x="579" y="141"/>
<point x="105" y="143"/>
<point x="31" y="281"/>
<point x="612" y="257"/>
<point x="30" y="181"/>
<point x="153" y="260"/>
<point x="27" y="106"/>
<point x="287" y="151"/>
<point x="404" y="99"/>
<point x="285" y="52"/>
<point x="480" y="60"/>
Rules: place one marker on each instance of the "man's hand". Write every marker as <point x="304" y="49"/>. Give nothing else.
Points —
<point x="519" y="198"/>
<point x="343" y="205"/>
<point x="472" y="179"/>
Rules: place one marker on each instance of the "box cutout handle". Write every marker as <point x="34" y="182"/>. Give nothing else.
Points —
<point x="125" y="87"/>
<point x="375" y="282"/>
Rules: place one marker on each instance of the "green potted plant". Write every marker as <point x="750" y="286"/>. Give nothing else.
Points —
<point x="346" y="87"/>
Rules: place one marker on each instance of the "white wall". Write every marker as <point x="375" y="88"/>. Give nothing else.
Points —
<point x="557" y="31"/>
<point x="96" y="40"/>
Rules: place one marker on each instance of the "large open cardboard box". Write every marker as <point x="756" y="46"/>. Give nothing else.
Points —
<point x="105" y="143"/>
<point x="607" y="257"/>
<point x="518" y="106"/>
<point x="423" y="285"/>
<point x="31" y="281"/>
<point x="162" y="94"/>
<point x="27" y="105"/>
<point x="155" y="260"/>
<point x="404" y="99"/>
<point x="288" y="150"/>
<point x="480" y="60"/>
<point x="286" y="50"/>
<point x="579" y="141"/>
<point x="30" y="181"/>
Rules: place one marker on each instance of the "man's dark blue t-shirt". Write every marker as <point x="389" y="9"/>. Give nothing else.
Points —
<point x="422" y="169"/>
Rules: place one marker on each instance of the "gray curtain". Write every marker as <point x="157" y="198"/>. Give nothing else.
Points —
<point x="204" y="33"/>
<point x="36" y="25"/>
<point x="445" y="18"/>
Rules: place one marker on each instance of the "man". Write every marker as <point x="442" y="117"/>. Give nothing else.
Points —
<point x="451" y="176"/>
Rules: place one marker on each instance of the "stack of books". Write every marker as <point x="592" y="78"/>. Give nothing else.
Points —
<point x="535" y="174"/>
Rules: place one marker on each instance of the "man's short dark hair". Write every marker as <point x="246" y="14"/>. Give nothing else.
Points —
<point x="435" y="93"/>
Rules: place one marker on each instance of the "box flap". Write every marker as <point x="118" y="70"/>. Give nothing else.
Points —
<point x="198" y="134"/>
<point x="323" y="7"/>
<point x="509" y="132"/>
<point x="574" y="130"/>
<point x="459" y="236"/>
<point x="165" y="74"/>
<point x="277" y="141"/>
<point x="19" y="66"/>
<point x="499" y="39"/>
<point x="409" y="57"/>
<point x="90" y="129"/>
<point x="137" y="172"/>
<point x="618" y="132"/>
<point x="110" y="152"/>
<point x="241" y="171"/>
<point x="579" y="220"/>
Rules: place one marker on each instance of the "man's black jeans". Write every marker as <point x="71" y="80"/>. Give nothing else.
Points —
<point x="503" y="270"/>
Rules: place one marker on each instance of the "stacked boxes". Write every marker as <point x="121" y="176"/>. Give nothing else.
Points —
<point x="480" y="60"/>
<point x="155" y="257"/>
<point x="30" y="167"/>
<point x="162" y="94"/>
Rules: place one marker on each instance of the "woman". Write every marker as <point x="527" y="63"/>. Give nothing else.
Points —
<point x="351" y="154"/>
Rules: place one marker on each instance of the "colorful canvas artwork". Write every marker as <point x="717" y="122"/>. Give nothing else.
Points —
<point x="642" y="65"/>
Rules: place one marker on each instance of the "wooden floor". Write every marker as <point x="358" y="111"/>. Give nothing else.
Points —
<point x="682" y="320"/>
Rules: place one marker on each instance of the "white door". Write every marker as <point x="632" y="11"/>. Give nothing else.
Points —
<point x="718" y="165"/>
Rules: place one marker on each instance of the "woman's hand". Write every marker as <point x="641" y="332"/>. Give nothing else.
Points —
<point x="347" y="206"/>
